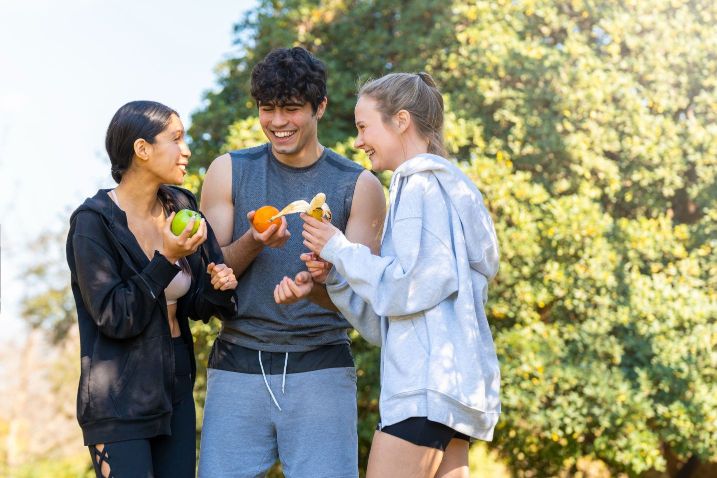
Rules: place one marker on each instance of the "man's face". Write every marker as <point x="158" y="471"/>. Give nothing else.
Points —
<point x="291" y="127"/>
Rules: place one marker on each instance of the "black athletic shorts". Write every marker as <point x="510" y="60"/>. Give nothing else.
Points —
<point x="424" y="432"/>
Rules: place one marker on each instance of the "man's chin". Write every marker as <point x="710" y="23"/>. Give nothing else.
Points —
<point x="283" y="149"/>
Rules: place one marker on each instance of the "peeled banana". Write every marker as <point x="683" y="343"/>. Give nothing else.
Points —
<point x="317" y="208"/>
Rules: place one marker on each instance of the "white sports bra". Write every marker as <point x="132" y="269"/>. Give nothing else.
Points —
<point x="182" y="281"/>
<point x="178" y="287"/>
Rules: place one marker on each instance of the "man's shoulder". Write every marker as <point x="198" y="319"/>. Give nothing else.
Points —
<point x="253" y="153"/>
<point x="342" y="163"/>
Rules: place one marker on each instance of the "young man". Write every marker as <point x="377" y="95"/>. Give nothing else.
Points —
<point x="281" y="380"/>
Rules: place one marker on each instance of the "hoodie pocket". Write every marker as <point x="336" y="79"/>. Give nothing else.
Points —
<point x="143" y="389"/>
<point x="406" y="356"/>
<point x="421" y="331"/>
<point x="110" y="368"/>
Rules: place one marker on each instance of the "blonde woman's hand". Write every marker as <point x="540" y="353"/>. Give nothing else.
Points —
<point x="176" y="247"/>
<point x="317" y="233"/>
<point x="222" y="276"/>
<point x="317" y="267"/>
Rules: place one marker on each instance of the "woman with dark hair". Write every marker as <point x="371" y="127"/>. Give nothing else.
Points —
<point x="135" y="285"/>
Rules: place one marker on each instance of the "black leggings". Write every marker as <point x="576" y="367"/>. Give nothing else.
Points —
<point x="161" y="456"/>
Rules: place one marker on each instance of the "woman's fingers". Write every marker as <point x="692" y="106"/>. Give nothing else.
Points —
<point x="316" y="243"/>
<point x="222" y="276"/>
<point x="229" y="284"/>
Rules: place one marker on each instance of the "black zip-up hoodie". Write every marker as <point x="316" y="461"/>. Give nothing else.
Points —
<point x="127" y="370"/>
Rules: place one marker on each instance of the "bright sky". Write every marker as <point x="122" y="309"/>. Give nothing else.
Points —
<point x="65" y="68"/>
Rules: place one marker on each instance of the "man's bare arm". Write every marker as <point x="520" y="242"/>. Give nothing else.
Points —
<point x="365" y="225"/>
<point x="218" y="206"/>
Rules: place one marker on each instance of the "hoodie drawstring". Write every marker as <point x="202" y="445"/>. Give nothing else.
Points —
<point x="283" y="378"/>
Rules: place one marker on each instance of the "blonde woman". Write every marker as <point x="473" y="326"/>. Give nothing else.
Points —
<point x="422" y="299"/>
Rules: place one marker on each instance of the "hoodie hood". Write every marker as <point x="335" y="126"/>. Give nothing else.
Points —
<point x="102" y="204"/>
<point x="478" y="228"/>
<point x="115" y="221"/>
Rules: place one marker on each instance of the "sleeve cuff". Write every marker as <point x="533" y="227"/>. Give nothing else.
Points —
<point x="330" y="252"/>
<point x="334" y="278"/>
<point x="223" y="298"/>
<point x="161" y="271"/>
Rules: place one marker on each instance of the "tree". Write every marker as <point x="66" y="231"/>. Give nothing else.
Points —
<point x="590" y="127"/>
<point x="48" y="303"/>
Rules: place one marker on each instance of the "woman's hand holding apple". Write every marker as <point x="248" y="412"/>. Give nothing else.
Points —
<point x="176" y="247"/>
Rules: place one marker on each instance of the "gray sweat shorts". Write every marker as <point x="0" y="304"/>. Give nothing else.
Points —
<point x="250" y="422"/>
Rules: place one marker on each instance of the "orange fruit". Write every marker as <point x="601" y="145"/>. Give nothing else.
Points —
<point x="262" y="215"/>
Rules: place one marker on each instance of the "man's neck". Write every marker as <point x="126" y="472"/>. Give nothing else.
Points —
<point x="301" y="159"/>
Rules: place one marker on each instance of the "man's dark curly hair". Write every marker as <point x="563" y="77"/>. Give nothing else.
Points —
<point x="289" y="74"/>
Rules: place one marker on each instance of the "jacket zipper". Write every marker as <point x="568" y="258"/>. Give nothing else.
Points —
<point x="162" y="306"/>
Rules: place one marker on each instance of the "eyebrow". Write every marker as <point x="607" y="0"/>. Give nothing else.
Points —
<point x="275" y="104"/>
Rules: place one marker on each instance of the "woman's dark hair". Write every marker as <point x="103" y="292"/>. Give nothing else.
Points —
<point x="133" y="121"/>
<point x="287" y="74"/>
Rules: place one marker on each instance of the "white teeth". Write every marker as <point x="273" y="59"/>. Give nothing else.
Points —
<point x="183" y="167"/>
<point x="283" y="134"/>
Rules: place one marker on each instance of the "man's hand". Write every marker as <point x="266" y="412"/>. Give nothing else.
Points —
<point x="289" y="291"/>
<point x="273" y="237"/>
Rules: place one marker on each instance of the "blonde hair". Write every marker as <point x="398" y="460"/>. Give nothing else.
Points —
<point x="416" y="93"/>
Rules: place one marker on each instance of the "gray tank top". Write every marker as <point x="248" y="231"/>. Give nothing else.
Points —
<point x="259" y="179"/>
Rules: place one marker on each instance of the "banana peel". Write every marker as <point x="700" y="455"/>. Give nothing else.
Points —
<point x="317" y="208"/>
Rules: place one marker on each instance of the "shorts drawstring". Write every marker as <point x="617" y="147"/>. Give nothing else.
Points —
<point x="267" y="383"/>
<point x="283" y="378"/>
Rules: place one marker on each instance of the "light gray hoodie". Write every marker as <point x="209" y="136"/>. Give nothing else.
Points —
<point x="423" y="299"/>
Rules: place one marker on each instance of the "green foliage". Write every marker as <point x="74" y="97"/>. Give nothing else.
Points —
<point x="48" y="303"/>
<point x="590" y="128"/>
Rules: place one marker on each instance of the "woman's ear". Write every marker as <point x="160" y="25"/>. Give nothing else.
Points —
<point x="402" y="120"/>
<point x="142" y="149"/>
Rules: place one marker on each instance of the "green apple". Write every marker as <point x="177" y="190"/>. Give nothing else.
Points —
<point x="182" y="218"/>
